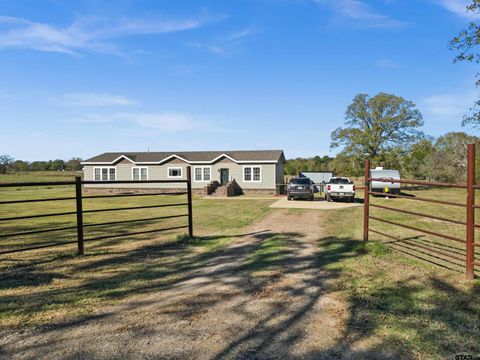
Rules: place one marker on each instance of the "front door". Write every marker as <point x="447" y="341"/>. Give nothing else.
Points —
<point x="223" y="176"/>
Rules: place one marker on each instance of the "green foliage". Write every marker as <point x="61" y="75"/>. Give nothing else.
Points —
<point x="8" y="163"/>
<point x="378" y="248"/>
<point x="317" y="163"/>
<point x="57" y="165"/>
<point x="443" y="159"/>
<point x="20" y="165"/>
<point x="384" y="129"/>
<point x="348" y="165"/>
<point x="381" y="128"/>
<point x="448" y="159"/>
<point x="414" y="162"/>
<point x="6" y="160"/>
<point x="466" y="44"/>
<point x="73" y="164"/>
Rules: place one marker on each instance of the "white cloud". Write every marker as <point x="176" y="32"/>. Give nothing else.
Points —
<point x="165" y="122"/>
<point x="227" y="44"/>
<point x="361" y="13"/>
<point x="449" y="106"/>
<point x="213" y="49"/>
<point x="458" y="7"/>
<point x="386" y="64"/>
<point x="92" y="100"/>
<point x="94" y="34"/>
<point x="237" y="35"/>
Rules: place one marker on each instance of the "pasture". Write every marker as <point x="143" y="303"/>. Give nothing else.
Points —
<point x="285" y="282"/>
<point x="28" y="176"/>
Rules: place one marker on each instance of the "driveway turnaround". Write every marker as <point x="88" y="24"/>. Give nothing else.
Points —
<point x="318" y="204"/>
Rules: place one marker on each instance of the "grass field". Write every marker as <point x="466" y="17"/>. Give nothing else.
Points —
<point x="454" y="248"/>
<point x="26" y="176"/>
<point x="407" y="298"/>
<point x="401" y="298"/>
<point x="49" y="283"/>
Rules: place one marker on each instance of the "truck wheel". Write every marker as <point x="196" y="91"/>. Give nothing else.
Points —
<point x="289" y="198"/>
<point x="312" y="197"/>
<point x="329" y="199"/>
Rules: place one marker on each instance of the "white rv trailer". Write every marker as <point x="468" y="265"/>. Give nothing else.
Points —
<point x="380" y="186"/>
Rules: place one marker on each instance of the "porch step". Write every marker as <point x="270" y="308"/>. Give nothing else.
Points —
<point x="220" y="191"/>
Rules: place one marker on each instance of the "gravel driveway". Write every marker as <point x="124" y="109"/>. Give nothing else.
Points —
<point x="223" y="310"/>
<point x="318" y="204"/>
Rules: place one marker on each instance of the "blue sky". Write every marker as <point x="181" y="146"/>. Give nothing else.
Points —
<point x="78" y="78"/>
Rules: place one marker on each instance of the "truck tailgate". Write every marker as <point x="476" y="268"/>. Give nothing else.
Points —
<point x="341" y="188"/>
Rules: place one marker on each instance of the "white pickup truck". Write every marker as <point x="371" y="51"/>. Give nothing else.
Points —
<point x="340" y="188"/>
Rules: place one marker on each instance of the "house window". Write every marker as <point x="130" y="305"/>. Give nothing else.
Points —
<point x="206" y="173"/>
<point x="139" y="173"/>
<point x="252" y="173"/>
<point x="104" y="174"/>
<point x="202" y="173"/>
<point x="256" y="174"/>
<point x="175" y="172"/>
<point x="198" y="174"/>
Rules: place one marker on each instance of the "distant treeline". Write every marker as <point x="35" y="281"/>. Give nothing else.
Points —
<point x="316" y="163"/>
<point x="8" y="164"/>
<point x="441" y="159"/>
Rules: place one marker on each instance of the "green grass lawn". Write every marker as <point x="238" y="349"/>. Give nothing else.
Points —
<point x="402" y="298"/>
<point x="41" y="285"/>
<point x="26" y="176"/>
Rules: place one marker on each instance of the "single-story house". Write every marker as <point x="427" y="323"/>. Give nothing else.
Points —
<point x="253" y="171"/>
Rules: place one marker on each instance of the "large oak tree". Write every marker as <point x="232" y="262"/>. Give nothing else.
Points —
<point x="376" y="127"/>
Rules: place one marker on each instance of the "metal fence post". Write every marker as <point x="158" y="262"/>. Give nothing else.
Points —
<point x="189" y="195"/>
<point x="470" y="211"/>
<point x="78" y="197"/>
<point x="366" y="201"/>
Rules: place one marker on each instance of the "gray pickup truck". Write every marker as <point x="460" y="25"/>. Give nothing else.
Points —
<point x="300" y="187"/>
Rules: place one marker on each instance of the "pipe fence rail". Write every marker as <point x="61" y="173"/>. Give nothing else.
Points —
<point x="469" y="205"/>
<point x="79" y="211"/>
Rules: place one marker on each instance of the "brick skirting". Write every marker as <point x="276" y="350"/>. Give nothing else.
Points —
<point x="113" y="191"/>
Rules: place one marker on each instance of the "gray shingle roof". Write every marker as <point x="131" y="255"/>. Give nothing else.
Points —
<point x="194" y="156"/>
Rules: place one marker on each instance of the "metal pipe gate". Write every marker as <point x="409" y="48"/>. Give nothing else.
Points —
<point x="469" y="206"/>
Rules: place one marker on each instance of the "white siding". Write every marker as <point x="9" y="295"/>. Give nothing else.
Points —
<point x="270" y="174"/>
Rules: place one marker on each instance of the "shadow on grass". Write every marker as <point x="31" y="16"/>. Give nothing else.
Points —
<point x="433" y="318"/>
<point x="405" y="317"/>
<point x="432" y="252"/>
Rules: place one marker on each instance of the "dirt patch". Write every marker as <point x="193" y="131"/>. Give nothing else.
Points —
<point x="318" y="204"/>
<point x="228" y="308"/>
